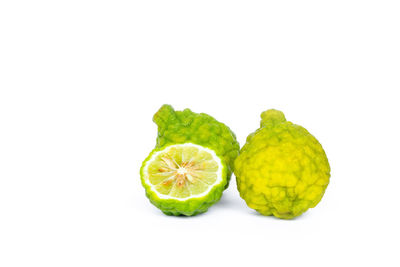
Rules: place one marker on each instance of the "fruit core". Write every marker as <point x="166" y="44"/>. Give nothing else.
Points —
<point x="180" y="173"/>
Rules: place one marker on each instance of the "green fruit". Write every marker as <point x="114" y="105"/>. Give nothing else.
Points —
<point x="180" y="127"/>
<point x="191" y="164"/>
<point x="184" y="179"/>
<point x="282" y="170"/>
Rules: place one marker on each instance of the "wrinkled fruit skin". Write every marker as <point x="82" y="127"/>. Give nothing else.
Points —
<point x="189" y="207"/>
<point x="179" y="127"/>
<point x="282" y="170"/>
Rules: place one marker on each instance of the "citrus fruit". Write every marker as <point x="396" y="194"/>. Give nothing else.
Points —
<point x="183" y="179"/>
<point x="191" y="184"/>
<point x="179" y="127"/>
<point x="282" y="170"/>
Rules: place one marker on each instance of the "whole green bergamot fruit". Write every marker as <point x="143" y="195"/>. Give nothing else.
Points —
<point x="191" y="164"/>
<point x="282" y="170"/>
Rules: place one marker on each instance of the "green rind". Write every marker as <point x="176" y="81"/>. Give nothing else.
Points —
<point x="189" y="207"/>
<point x="179" y="127"/>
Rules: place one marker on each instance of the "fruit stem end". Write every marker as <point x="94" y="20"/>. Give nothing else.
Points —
<point x="272" y="116"/>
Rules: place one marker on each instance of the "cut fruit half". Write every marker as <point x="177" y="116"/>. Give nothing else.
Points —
<point x="183" y="171"/>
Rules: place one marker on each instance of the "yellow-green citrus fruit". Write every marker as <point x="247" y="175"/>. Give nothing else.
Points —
<point x="184" y="179"/>
<point x="282" y="170"/>
<point x="191" y="164"/>
<point x="179" y="127"/>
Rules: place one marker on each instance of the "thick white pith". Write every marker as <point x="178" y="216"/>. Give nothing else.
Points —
<point x="183" y="173"/>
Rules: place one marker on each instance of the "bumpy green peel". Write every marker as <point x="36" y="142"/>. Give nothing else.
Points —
<point x="282" y="170"/>
<point x="182" y="127"/>
<point x="179" y="127"/>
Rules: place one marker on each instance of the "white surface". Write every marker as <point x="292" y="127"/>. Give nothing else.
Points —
<point x="80" y="81"/>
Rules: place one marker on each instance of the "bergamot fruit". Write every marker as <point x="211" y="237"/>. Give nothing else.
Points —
<point x="282" y="170"/>
<point x="191" y="164"/>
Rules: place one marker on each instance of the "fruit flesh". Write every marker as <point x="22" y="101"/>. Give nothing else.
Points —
<point x="282" y="169"/>
<point x="190" y="185"/>
<point x="183" y="171"/>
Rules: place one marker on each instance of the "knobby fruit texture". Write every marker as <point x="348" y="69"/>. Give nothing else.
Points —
<point x="179" y="127"/>
<point x="282" y="170"/>
<point x="187" y="127"/>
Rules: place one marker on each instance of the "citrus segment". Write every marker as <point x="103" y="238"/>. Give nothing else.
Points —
<point x="183" y="171"/>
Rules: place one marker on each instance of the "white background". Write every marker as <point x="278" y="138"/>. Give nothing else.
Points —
<point x="81" y="80"/>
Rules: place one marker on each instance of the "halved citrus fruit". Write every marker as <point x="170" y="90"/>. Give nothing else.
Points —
<point x="183" y="179"/>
